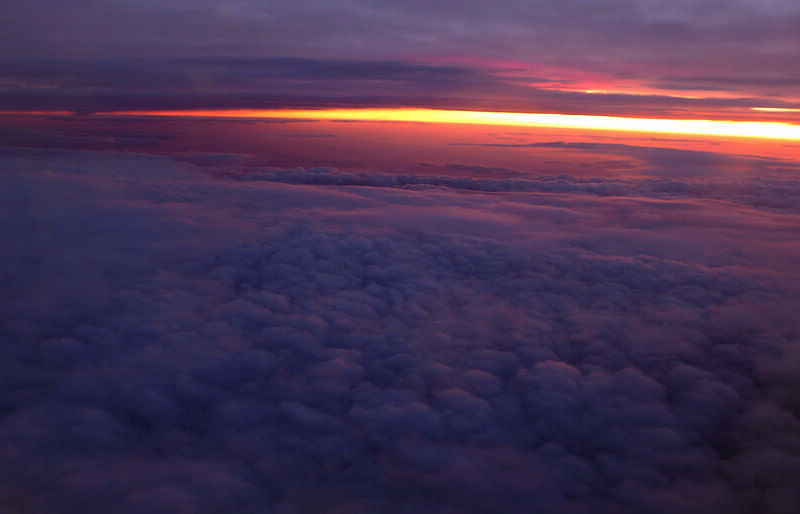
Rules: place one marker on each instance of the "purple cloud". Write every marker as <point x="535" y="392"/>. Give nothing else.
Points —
<point x="314" y="339"/>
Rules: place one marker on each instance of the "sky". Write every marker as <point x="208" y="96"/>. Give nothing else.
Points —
<point x="391" y="257"/>
<point x="640" y="57"/>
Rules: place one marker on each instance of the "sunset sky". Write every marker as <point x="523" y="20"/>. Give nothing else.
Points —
<point x="399" y="256"/>
<point x="653" y="58"/>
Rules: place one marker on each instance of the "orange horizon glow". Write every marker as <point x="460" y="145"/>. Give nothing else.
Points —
<point x="777" y="130"/>
<point x="775" y="109"/>
<point x="725" y="128"/>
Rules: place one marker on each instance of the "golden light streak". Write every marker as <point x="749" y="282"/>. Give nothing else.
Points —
<point x="775" y="109"/>
<point x="644" y="92"/>
<point x="749" y="129"/>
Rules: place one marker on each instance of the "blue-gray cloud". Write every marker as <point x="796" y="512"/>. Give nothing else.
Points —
<point x="176" y="342"/>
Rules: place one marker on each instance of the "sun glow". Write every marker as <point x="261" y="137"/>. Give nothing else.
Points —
<point x="775" y="109"/>
<point x="750" y="129"/>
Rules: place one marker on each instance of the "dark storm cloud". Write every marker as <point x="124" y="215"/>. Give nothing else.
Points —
<point x="175" y="342"/>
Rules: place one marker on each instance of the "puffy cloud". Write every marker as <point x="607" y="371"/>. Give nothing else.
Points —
<point x="316" y="340"/>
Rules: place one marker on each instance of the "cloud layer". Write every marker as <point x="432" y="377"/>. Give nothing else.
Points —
<point x="649" y="34"/>
<point x="309" y="340"/>
<point x="94" y="84"/>
<point x="735" y="48"/>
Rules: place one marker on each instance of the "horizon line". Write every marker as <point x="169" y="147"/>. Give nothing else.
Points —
<point x="697" y="127"/>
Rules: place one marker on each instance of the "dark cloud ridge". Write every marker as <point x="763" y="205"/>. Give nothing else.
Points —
<point x="762" y="193"/>
<point x="102" y="85"/>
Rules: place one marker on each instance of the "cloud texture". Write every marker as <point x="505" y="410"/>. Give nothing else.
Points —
<point x="639" y="57"/>
<point x="318" y="340"/>
<point x="95" y="84"/>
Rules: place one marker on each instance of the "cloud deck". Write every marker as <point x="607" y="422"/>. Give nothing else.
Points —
<point x="172" y="341"/>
